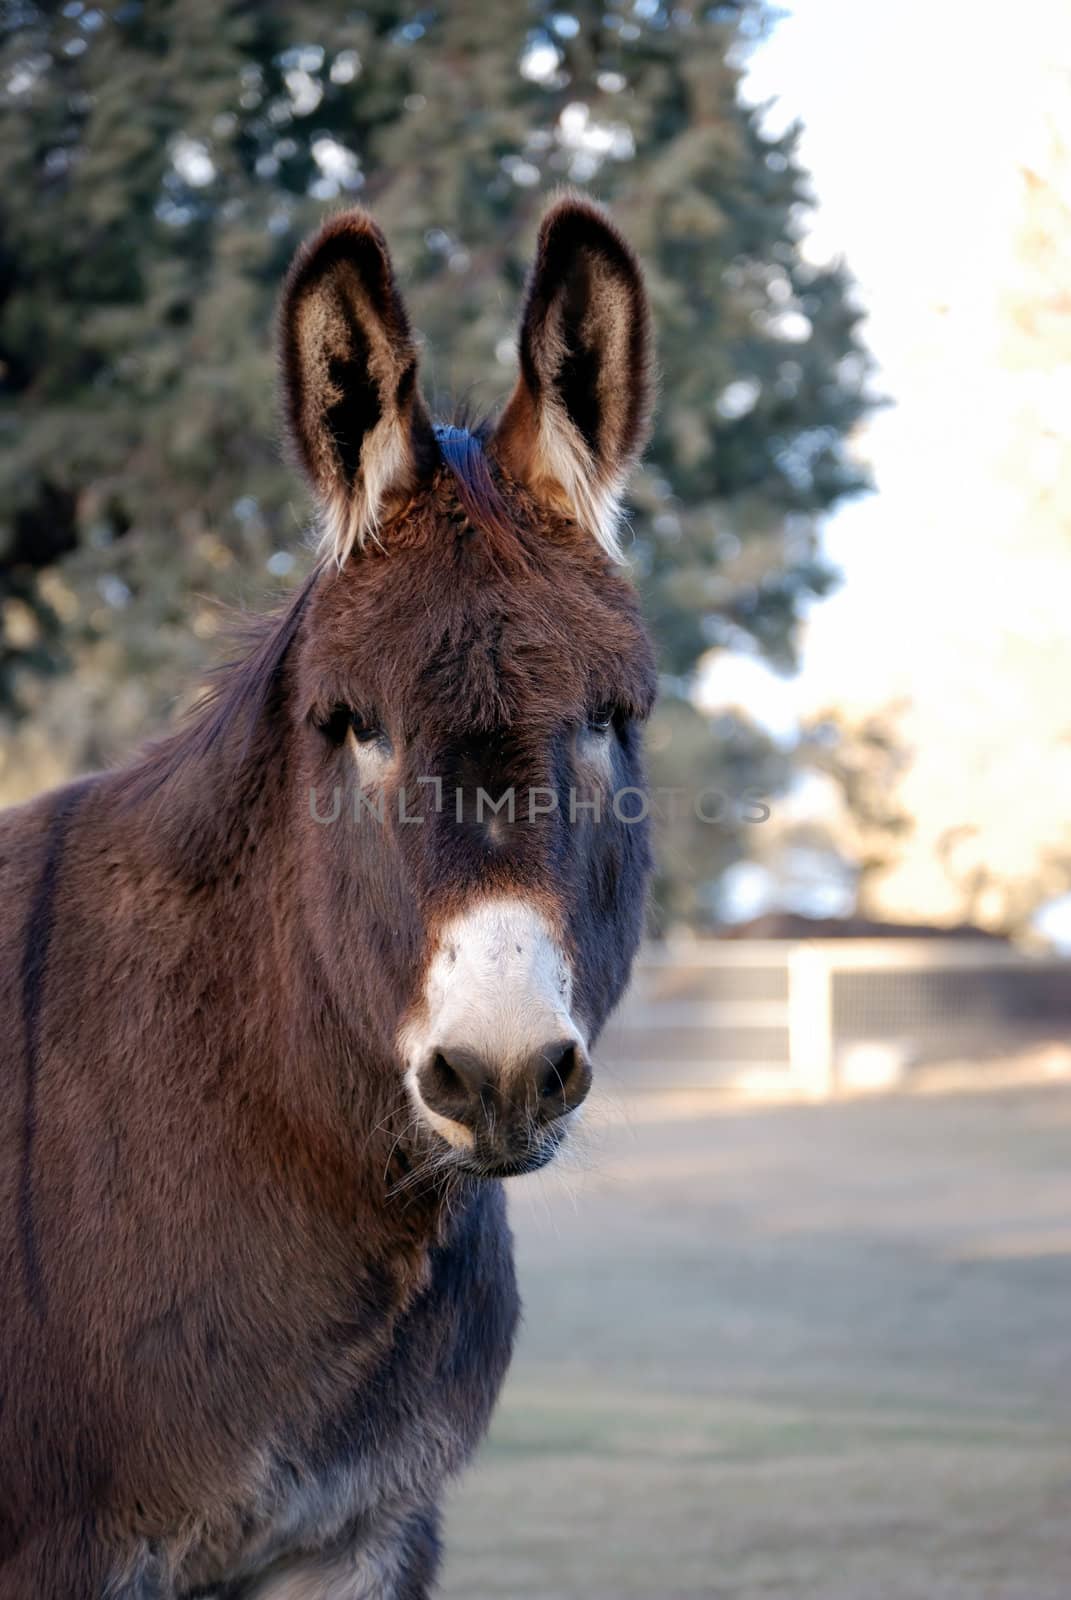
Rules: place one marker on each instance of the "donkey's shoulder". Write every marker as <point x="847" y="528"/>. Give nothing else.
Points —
<point x="34" y="837"/>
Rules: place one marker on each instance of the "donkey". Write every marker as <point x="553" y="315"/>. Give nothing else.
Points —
<point x="284" y="1000"/>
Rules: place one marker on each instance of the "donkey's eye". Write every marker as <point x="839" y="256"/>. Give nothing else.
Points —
<point x="601" y="720"/>
<point x="366" y="730"/>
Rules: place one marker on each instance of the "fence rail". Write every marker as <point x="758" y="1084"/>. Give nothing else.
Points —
<point x="813" y="1016"/>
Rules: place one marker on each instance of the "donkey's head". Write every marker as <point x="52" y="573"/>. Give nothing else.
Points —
<point x="471" y="674"/>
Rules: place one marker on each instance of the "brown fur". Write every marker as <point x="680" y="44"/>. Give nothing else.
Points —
<point x="250" y="1326"/>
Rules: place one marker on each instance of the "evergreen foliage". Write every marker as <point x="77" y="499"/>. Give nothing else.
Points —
<point x="159" y="161"/>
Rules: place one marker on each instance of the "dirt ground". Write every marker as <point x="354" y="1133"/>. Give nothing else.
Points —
<point x="798" y="1353"/>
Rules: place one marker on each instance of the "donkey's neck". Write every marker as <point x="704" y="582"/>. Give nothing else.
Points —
<point x="312" y="1079"/>
<point x="213" y="816"/>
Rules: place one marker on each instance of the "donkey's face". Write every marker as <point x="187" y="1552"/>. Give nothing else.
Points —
<point x="471" y="676"/>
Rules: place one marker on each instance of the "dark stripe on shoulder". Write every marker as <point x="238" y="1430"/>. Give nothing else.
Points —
<point x="39" y="930"/>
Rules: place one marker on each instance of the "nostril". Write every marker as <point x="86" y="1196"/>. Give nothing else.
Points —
<point x="562" y="1076"/>
<point x="442" y="1078"/>
<point x="453" y="1084"/>
<point x="560" y="1065"/>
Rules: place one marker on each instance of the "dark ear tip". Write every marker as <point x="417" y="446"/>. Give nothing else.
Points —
<point x="574" y="226"/>
<point x="352" y="236"/>
<point x="574" y="203"/>
<point x="576" y="220"/>
<point x="354" y="223"/>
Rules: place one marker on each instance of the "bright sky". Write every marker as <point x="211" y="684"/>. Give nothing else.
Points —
<point x="917" y="118"/>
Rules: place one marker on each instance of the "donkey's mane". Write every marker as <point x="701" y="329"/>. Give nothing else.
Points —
<point x="478" y="492"/>
<point x="241" y="690"/>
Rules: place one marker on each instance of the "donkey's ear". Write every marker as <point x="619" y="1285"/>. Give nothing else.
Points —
<point x="349" y="364"/>
<point x="578" y="417"/>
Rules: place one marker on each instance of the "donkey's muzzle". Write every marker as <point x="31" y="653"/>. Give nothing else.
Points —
<point x="507" y="1111"/>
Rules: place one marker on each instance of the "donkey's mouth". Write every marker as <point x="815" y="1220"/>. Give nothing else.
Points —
<point x="509" y="1152"/>
<point x="511" y="1165"/>
<point x="500" y="1116"/>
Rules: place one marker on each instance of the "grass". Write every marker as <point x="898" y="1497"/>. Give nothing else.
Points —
<point x="794" y="1353"/>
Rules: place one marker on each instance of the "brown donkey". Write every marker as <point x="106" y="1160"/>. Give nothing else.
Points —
<point x="285" y="999"/>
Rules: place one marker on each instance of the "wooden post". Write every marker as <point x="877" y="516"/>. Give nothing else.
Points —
<point x="810" y="1021"/>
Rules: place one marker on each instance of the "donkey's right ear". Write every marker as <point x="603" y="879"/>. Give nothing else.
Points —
<point x="578" y="416"/>
<point x="349" y="363"/>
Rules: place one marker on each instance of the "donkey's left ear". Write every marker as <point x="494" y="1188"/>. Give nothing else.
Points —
<point x="349" y="365"/>
<point x="578" y="418"/>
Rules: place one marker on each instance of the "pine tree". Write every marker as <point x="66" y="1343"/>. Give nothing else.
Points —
<point x="159" y="162"/>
